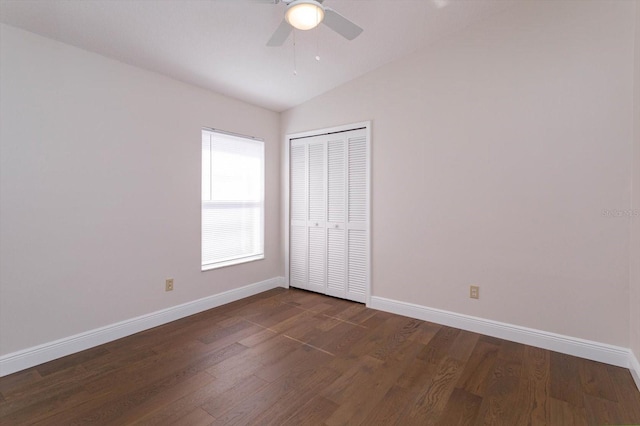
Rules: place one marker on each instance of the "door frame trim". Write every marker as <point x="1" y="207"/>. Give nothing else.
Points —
<point x="286" y="200"/>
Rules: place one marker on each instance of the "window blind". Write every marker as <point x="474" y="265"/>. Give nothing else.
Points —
<point x="232" y="199"/>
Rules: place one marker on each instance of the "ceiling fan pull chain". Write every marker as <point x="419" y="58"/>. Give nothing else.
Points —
<point x="317" y="43"/>
<point x="295" y="65"/>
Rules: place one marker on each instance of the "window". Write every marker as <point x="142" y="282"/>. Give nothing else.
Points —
<point x="232" y="199"/>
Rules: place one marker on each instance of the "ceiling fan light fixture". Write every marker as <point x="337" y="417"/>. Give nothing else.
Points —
<point x="304" y="14"/>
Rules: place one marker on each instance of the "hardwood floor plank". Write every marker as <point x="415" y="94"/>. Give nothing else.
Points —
<point x="596" y="381"/>
<point x="479" y="367"/>
<point x="197" y="417"/>
<point x="308" y="300"/>
<point x="244" y="389"/>
<point x="136" y="406"/>
<point x="491" y="340"/>
<point x="168" y="415"/>
<point x="257" y="338"/>
<point x="309" y="327"/>
<point x="254" y="358"/>
<point x="565" y="379"/>
<point x="462" y="409"/>
<point x="131" y="393"/>
<point x="273" y="316"/>
<point x="71" y="361"/>
<point x="57" y="391"/>
<point x="238" y="331"/>
<point x="293" y="357"/>
<point x="171" y="332"/>
<point x="314" y="412"/>
<point x="463" y="345"/>
<point x="344" y="343"/>
<point x="534" y="391"/>
<point x="629" y="401"/>
<point x="502" y="390"/>
<point x="341" y="308"/>
<point x="339" y="339"/>
<point x="355" y="407"/>
<point x="393" y="407"/>
<point x="283" y="365"/>
<point x="325" y="323"/>
<point x="511" y="351"/>
<point x="159" y="366"/>
<point x="249" y="410"/>
<point x="376" y="320"/>
<point x="57" y="382"/>
<point x="230" y="381"/>
<point x="260" y="307"/>
<point x="40" y="410"/>
<point x="428" y="360"/>
<point x="601" y="411"/>
<point x="439" y="345"/>
<point x="349" y="311"/>
<point x="363" y="315"/>
<point x="135" y="403"/>
<point x="563" y="413"/>
<point x="16" y="381"/>
<point x="286" y="406"/>
<point x="302" y="317"/>
<point x="116" y="361"/>
<point x="383" y="336"/>
<point x="431" y="402"/>
<point x="347" y="384"/>
<point x="396" y="333"/>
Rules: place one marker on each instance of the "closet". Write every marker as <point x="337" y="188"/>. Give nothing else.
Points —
<point x="329" y="214"/>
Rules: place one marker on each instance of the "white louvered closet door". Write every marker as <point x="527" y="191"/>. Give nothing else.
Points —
<point x="336" y="212"/>
<point x="317" y="219"/>
<point x="357" y="216"/>
<point x="329" y="241"/>
<point x="298" y="246"/>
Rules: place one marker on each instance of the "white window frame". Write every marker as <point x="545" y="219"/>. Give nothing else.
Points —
<point x="233" y="204"/>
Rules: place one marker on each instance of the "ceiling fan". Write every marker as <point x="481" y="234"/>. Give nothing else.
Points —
<point x="308" y="14"/>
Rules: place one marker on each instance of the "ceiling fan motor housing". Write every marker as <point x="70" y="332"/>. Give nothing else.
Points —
<point x="304" y="14"/>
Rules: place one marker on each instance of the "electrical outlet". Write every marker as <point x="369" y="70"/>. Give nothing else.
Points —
<point x="474" y="292"/>
<point x="168" y="284"/>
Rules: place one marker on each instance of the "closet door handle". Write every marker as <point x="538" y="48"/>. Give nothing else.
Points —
<point x="316" y="223"/>
<point x="337" y="226"/>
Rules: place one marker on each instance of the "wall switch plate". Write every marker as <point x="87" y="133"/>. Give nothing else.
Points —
<point x="474" y="292"/>
<point x="168" y="284"/>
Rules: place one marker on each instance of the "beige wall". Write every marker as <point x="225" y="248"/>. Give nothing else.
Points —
<point x="100" y="190"/>
<point x="495" y="153"/>
<point x="635" y="221"/>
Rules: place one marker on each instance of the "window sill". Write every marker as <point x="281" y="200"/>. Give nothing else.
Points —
<point x="232" y="262"/>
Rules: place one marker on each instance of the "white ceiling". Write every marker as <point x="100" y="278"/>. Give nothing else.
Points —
<point x="221" y="44"/>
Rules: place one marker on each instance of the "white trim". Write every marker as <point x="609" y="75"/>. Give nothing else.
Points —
<point x="367" y="296"/>
<point x="236" y="261"/>
<point x="342" y="128"/>
<point x="36" y="355"/>
<point x="614" y="355"/>
<point x="634" y="367"/>
<point x="285" y="219"/>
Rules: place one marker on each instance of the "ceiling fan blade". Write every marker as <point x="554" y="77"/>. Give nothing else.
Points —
<point x="340" y="24"/>
<point x="280" y="36"/>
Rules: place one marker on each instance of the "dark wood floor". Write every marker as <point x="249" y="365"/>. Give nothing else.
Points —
<point x="289" y="357"/>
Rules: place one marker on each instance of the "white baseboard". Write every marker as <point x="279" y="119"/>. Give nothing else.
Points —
<point x="36" y="355"/>
<point x="634" y="367"/>
<point x="614" y="355"/>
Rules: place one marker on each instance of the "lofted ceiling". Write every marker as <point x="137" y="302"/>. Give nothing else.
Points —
<point x="221" y="44"/>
